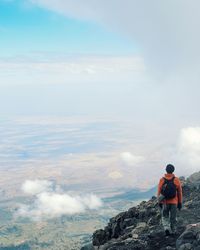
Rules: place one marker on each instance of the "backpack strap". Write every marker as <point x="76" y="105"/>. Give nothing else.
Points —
<point x="165" y="180"/>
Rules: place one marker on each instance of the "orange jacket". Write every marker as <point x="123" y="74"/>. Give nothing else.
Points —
<point x="178" y="198"/>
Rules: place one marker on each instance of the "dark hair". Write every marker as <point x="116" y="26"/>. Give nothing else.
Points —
<point x="170" y="168"/>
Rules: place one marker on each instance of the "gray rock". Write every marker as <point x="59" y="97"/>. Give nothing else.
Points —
<point x="88" y="247"/>
<point x="190" y="238"/>
<point x="186" y="246"/>
<point x="139" y="227"/>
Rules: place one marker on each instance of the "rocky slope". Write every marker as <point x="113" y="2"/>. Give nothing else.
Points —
<point x="139" y="227"/>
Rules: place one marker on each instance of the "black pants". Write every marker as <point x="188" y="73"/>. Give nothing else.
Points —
<point x="169" y="217"/>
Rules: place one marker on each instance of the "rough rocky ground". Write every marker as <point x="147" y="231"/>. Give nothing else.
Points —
<point x="139" y="228"/>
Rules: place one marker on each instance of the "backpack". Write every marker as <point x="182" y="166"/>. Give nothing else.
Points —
<point x="169" y="188"/>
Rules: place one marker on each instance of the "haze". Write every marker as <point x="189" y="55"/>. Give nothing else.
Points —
<point x="134" y="64"/>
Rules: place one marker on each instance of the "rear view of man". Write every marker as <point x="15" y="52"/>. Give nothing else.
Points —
<point x="169" y="198"/>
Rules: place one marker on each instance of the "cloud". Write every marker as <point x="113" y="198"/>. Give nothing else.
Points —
<point x="167" y="31"/>
<point x="33" y="187"/>
<point x="65" y="68"/>
<point x="189" y="149"/>
<point x="50" y="203"/>
<point x="76" y="64"/>
<point x="167" y="37"/>
<point x="130" y="159"/>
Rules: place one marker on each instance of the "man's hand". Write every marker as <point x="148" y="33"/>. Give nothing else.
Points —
<point x="179" y="206"/>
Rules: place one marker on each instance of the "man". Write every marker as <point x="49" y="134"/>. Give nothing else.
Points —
<point x="169" y="198"/>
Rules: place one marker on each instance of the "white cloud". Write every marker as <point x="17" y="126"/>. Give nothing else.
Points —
<point x="91" y="201"/>
<point x="33" y="187"/>
<point x="189" y="148"/>
<point x="49" y="203"/>
<point x="190" y="139"/>
<point x="75" y="68"/>
<point x="131" y="159"/>
<point x="73" y="64"/>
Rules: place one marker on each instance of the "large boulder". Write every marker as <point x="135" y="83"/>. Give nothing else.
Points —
<point x="194" y="179"/>
<point x="190" y="238"/>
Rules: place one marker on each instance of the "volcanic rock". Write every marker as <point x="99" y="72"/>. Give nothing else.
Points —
<point x="140" y="227"/>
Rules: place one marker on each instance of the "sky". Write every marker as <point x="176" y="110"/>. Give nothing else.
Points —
<point x="134" y="60"/>
<point x="26" y="28"/>
<point x="45" y="54"/>
<point x="119" y="58"/>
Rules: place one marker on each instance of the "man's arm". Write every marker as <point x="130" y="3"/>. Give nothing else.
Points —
<point x="160" y="187"/>
<point x="180" y="194"/>
<point x="159" y="196"/>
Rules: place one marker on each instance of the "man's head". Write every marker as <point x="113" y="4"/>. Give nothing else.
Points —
<point x="170" y="168"/>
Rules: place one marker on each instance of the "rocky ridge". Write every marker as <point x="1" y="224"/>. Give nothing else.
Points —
<point x="139" y="228"/>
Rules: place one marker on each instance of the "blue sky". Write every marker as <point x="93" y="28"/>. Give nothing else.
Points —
<point x="25" y="28"/>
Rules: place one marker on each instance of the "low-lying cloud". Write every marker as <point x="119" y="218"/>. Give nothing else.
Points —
<point x="33" y="187"/>
<point x="72" y="68"/>
<point x="50" y="202"/>
<point x="131" y="159"/>
<point x="189" y="148"/>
